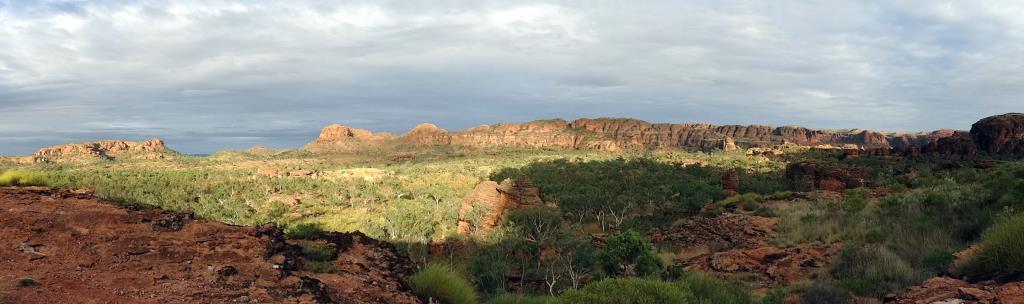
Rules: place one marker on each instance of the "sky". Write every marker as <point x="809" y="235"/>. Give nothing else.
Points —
<point x="213" y="75"/>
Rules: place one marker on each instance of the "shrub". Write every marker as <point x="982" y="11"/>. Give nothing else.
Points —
<point x="318" y="252"/>
<point x="1001" y="252"/>
<point x="303" y="231"/>
<point x="23" y="178"/>
<point x="711" y="290"/>
<point x="441" y="283"/>
<point x="874" y="271"/>
<point x="319" y="266"/>
<point x="629" y="248"/>
<point x="508" y="298"/>
<point x="824" y="294"/>
<point x="627" y="291"/>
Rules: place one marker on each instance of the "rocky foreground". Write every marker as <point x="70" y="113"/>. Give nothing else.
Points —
<point x="65" y="247"/>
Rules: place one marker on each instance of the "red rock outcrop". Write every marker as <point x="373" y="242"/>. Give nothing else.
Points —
<point x="808" y="176"/>
<point x="1000" y="134"/>
<point x="426" y="134"/>
<point x="108" y="149"/>
<point x="339" y="137"/>
<point x="76" y="248"/>
<point x="482" y="209"/>
<point x="770" y="265"/>
<point x="949" y="290"/>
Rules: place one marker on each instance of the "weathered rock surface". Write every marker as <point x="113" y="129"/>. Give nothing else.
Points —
<point x="707" y="234"/>
<point x="769" y="264"/>
<point x="949" y="290"/>
<point x="808" y="176"/>
<point x="107" y="149"/>
<point x="1000" y="134"/>
<point x="427" y="134"/>
<point x="482" y="209"/>
<point x="80" y="249"/>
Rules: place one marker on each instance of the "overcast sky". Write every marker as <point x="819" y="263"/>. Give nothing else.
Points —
<point x="211" y="75"/>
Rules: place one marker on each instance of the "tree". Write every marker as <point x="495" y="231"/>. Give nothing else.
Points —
<point x="629" y="254"/>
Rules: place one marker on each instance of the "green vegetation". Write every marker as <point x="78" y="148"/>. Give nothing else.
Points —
<point x="629" y="251"/>
<point x="441" y="283"/>
<point x="303" y="231"/>
<point x="629" y="291"/>
<point x="711" y="290"/>
<point x="1001" y="252"/>
<point x="589" y="241"/>
<point x="635" y="193"/>
<point x="23" y="178"/>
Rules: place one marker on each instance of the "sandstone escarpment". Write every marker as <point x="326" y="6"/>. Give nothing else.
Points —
<point x="1002" y="134"/>
<point x="107" y="149"/>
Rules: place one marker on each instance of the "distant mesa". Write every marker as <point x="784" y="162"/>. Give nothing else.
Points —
<point x="106" y="149"/>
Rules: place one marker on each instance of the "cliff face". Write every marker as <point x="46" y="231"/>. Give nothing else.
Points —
<point x="1001" y="134"/>
<point x="616" y="134"/>
<point x="150" y="149"/>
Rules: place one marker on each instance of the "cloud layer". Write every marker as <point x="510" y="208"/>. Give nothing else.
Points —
<point x="209" y="75"/>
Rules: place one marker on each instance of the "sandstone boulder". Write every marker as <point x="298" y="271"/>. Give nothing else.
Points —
<point x="1000" y="134"/>
<point x="949" y="290"/>
<point x="808" y="176"/>
<point x="482" y="209"/>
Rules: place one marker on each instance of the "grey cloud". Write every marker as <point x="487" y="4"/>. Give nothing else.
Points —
<point x="209" y="75"/>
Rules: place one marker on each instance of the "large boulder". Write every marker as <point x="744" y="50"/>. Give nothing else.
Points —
<point x="483" y="208"/>
<point x="809" y="175"/>
<point x="1000" y="134"/>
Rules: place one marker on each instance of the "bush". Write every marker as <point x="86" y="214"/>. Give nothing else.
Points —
<point x="824" y="294"/>
<point x="441" y="283"/>
<point x="508" y="298"/>
<point x="318" y="252"/>
<point x="711" y="290"/>
<point x="23" y="178"/>
<point x="303" y="231"/>
<point x="629" y="249"/>
<point x="874" y="271"/>
<point x="627" y="291"/>
<point x="319" y="266"/>
<point x="1001" y="252"/>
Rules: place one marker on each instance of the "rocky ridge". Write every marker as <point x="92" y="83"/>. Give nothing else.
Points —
<point x="106" y="149"/>
<point x="1001" y="134"/>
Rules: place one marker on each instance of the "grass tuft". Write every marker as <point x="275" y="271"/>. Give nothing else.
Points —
<point x="441" y="283"/>
<point x="1001" y="252"/>
<point x="23" y="178"/>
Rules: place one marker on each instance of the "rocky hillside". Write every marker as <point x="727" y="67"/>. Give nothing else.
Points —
<point x="107" y="149"/>
<point x="67" y="247"/>
<point x="998" y="134"/>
